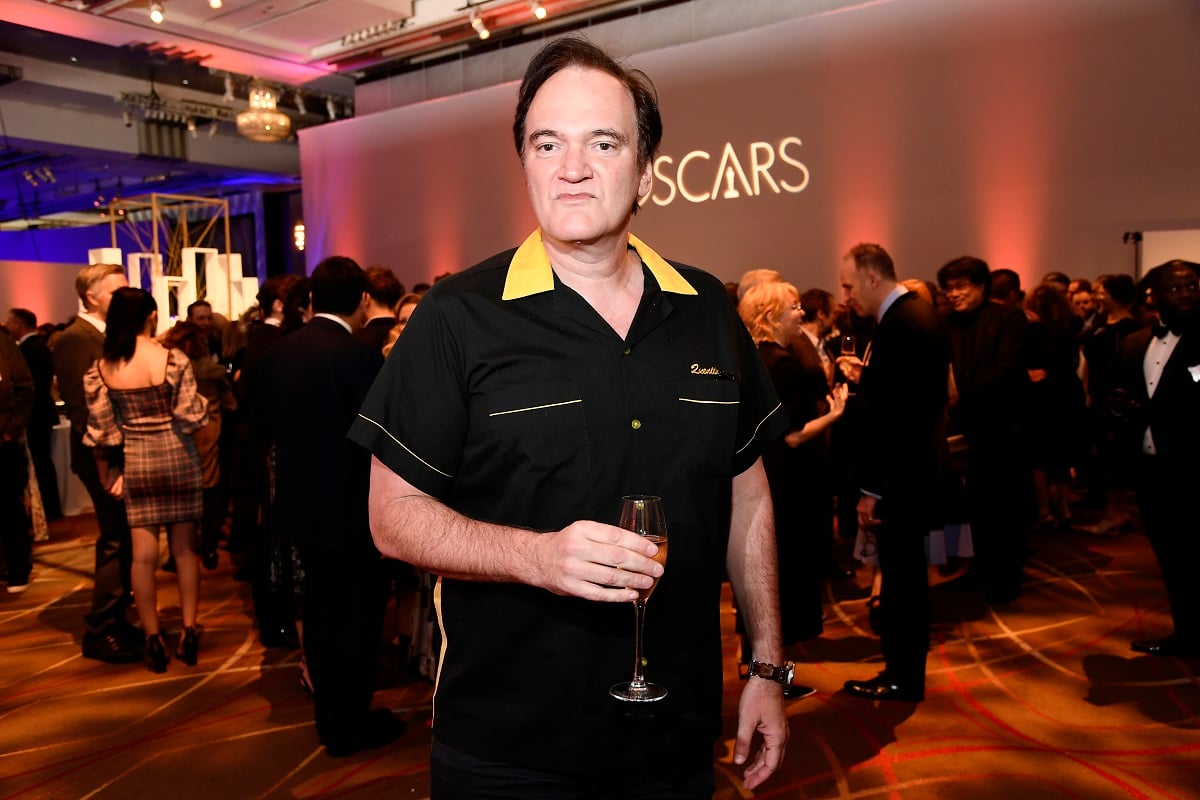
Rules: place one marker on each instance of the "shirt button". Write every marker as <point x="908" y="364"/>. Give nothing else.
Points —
<point x="636" y="424"/>
<point x="626" y="351"/>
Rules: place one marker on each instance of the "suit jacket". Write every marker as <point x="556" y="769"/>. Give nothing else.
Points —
<point x="1173" y="414"/>
<point x="309" y="389"/>
<point x="75" y="350"/>
<point x="988" y="347"/>
<point x="41" y="366"/>
<point x="903" y="393"/>
<point x="374" y="333"/>
<point x="16" y="390"/>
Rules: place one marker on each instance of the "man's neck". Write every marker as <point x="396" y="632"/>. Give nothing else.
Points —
<point x="606" y="273"/>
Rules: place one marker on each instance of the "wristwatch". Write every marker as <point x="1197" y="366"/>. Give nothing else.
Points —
<point x="770" y="672"/>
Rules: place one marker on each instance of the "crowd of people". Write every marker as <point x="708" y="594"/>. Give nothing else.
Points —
<point x="345" y="447"/>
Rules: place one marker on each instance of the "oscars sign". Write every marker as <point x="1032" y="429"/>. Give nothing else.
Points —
<point x="766" y="168"/>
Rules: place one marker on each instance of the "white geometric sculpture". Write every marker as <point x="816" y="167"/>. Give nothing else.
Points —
<point x="225" y="287"/>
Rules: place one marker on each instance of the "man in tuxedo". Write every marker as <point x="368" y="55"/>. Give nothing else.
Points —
<point x="22" y="324"/>
<point x="384" y="291"/>
<point x="109" y="636"/>
<point x="902" y="383"/>
<point x="1160" y="371"/>
<point x="311" y="384"/>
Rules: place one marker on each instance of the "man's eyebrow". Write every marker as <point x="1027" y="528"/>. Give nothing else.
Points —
<point x="598" y="133"/>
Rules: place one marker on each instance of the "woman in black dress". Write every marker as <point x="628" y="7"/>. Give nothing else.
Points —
<point x="797" y="466"/>
<point x="142" y="402"/>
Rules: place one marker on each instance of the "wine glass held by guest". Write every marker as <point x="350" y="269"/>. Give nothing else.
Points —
<point x="143" y="408"/>
<point x="643" y="514"/>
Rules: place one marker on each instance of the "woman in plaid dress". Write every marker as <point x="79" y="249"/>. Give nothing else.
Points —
<point x="142" y="410"/>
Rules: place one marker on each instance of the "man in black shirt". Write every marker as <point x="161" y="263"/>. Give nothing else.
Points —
<point x="526" y="396"/>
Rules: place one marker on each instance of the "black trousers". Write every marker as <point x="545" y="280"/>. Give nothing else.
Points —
<point x="454" y="775"/>
<point x="1001" y="509"/>
<point x="38" y="437"/>
<point x="14" y="523"/>
<point x="114" y="548"/>
<point x="1166" y="497"/>
<point x="344" y="602"/>
<point x="904" y="594"/>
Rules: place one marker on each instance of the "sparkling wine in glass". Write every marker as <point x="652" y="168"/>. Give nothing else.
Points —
<point x="642" y="514"/>
<point x="849" y="345"/>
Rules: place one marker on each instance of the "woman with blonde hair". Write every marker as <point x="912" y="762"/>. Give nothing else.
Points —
<point x="797" y="465"/>
<point x="142" y="402"/>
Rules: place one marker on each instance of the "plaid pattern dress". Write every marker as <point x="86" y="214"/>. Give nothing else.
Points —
<point x="163" y="480"/>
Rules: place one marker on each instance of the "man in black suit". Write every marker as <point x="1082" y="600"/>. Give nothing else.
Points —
<point x="22" y="324"/>
<point x="109" y="636"/>
<point x="16" y="405"/>
<point x="384" y="291"/>
<point x="1160" y="372"/>
<point x="987" y="342"/>
<point x="311" y="385"/>
<point x="902" y="382"/>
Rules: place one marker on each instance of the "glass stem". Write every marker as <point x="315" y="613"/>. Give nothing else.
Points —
<point x="639" y="682"/>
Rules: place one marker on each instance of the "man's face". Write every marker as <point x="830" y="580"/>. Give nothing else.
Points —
<point x="964" y="295"/>
<point x="13" y="326"/>
<point x="100" y="295"/>
<point x="1083" y="303"/>
<point x="202" y="316"/>
<point x="857" y="285"/>
<point x="581" y="156"/>
<point x="1178" y="294"/>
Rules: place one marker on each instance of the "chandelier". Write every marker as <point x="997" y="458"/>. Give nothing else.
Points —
<point x="263" y="122"/>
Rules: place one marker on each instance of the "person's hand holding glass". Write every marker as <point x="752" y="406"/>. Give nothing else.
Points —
<point x="643" y="514"/>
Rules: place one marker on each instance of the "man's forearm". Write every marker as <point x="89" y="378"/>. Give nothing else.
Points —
<point x="751" y="563"/>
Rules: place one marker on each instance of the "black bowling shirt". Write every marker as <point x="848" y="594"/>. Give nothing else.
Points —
<point x="509" y="399"/>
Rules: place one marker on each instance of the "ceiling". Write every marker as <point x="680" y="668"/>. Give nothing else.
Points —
<point x="78" y="56"/>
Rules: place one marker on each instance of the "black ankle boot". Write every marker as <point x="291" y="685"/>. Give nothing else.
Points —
<point x="156" y="653"/>
<point x="189" y="645"/>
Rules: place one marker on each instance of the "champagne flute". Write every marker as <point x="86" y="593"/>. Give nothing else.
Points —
<point x="849" y="345"/>
<point x="642" y="514"/>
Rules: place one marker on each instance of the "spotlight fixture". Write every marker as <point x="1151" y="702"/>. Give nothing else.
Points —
<point x="228" y="98"/>
<point x="330" y="109"/>
<point x="191" y="126"/>
<point x="156" y="12"/>
<point x="300" y="104"/>
<point x="478" y="24"/>
<point x="214" y="4"/>
<point x="212" y="129"/>
<point x="537" y="9"/>
<point x="263" y="122"/>
<point x="30" y="178"/>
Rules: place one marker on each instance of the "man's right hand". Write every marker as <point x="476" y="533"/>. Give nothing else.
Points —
<point x="596" y="562"/>
<point x="851" y="367"/>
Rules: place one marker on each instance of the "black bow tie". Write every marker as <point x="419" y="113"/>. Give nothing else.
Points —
<point x="1160" y="331"/>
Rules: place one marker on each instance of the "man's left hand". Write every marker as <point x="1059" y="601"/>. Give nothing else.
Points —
<point x="761" y="710"/>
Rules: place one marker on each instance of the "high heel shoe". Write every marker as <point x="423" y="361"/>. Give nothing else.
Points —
<point x="156" y="653"/>
<point x="189" y="645"/>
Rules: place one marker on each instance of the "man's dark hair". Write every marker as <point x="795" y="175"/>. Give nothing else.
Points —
<point x="338" y="284"/>
<point x="1058" y="277"/>
<point x="873" y="257"/>
<point x="192" y="306"/>
<point x="275" y="288"/>
<point x="26" y="317"/>
<point x="1155" y="277"/>
<point x="574" y="51"/>
<point x="816" y="301"/>
<point x="1006" y="285"/>
<point x="383" y="286"/>
<point x="974" y="270"/>
<point x="1121" y="288"/>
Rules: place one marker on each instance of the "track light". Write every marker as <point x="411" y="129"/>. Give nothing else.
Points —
<point x="191" y="126"/>
<point x="127" y="118"/>
<point x="300" y="104"/>
<point x="538" y="10"/>
<point x="477" y="23"/>
<point x="156" y="12"/>
<point x="228" y="98"/>
<point x="330" y="109"/>
<point x="212" y="129"/>
<point x="214" y="4"/>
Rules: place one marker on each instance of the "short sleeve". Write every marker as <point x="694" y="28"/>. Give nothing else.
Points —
<point x="191" y="409"/>
<point x="414" y="418"/>
<point x="102" y="428"/>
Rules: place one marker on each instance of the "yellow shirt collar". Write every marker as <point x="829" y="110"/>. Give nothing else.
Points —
<point x="530" y="272"/>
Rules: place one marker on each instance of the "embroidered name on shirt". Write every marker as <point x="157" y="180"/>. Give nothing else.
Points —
<point x="715" y="372"/>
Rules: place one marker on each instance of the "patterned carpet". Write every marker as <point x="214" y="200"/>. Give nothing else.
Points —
<point x="1041" y="698"/>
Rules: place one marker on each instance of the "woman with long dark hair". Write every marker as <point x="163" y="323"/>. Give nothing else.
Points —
<point x="143" y="404"/>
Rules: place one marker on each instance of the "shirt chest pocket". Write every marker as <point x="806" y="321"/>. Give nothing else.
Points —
<point x="708" y="412"/>
<point x="540" y="431"/>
